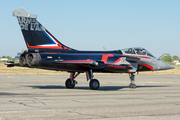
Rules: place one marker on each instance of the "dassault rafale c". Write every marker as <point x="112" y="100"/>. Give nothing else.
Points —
<point x="46" y="52"/>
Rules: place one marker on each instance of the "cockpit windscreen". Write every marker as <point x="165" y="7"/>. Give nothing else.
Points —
<point x="138" y="50"/>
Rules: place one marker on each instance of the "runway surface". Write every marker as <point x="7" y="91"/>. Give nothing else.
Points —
<point x="27" y="97"/>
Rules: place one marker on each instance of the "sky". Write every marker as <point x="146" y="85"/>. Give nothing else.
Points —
<point x="94" y="24"/>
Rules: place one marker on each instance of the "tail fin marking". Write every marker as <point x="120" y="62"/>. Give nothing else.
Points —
<point x="35" y="35"/>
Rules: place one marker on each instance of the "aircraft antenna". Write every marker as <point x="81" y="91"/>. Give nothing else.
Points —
<point x="104" y="49"/>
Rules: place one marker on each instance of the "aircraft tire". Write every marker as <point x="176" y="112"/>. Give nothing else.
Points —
<point x="132" y="85"/>
<point x="69" y="84"/>
<point x="94" y="84"/>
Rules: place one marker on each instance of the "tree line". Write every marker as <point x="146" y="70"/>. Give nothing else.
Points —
<point x="8" y="57"/>
<point x="170" y="58"/>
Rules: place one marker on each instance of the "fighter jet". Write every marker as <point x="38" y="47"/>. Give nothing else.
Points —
<point x="46" y="52"/>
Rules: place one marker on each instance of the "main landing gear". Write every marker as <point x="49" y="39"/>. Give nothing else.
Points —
<point x="132" y="85"/>
<point x="93" y="84"/>
<point x="70" y="83"/>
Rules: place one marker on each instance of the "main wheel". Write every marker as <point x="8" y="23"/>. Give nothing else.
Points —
<point x="94" y="84"/>
<point x="70" y="84"/>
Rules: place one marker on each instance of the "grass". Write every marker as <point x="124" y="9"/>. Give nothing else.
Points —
<point x="4" y="70"/>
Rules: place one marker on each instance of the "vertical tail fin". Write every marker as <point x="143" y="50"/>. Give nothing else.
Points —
<point x="35" y="35"/>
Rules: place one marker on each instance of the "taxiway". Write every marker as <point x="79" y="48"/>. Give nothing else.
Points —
<point x="45" y="97"/>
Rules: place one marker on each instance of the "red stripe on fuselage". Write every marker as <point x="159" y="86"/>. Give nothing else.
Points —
<point x="145" y="57"/>
<point x="116" y="66"/>
<point x="145" y="65"/>
<point x="128" y="69"/>
<point x="105" y="57"/>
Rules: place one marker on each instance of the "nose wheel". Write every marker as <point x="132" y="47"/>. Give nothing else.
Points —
<point x="132" y="85"/>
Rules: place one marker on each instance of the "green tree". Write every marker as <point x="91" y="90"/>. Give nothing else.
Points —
<point x="9" y="58"/>
<point x="175" y="57"/>
<point x="167" y="58"/>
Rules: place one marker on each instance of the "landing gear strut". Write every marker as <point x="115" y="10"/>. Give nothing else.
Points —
<point x="94" y="83"/>
<point x="70" y="83"/>
<point x="132" y="85"/>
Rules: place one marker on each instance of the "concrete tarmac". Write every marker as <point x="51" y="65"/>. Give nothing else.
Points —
<point x="45" y="97"/>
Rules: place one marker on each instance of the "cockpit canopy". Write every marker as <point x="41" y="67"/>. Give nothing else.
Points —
<point x="137" y="50"/>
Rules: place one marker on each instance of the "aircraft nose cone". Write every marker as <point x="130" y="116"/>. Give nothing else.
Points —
<point x="165" y="66"/>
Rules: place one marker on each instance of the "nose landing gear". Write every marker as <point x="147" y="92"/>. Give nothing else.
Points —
<point x="132" y="85"/>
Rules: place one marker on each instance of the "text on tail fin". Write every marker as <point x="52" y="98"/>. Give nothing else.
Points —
<point x="35" y="35"/>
